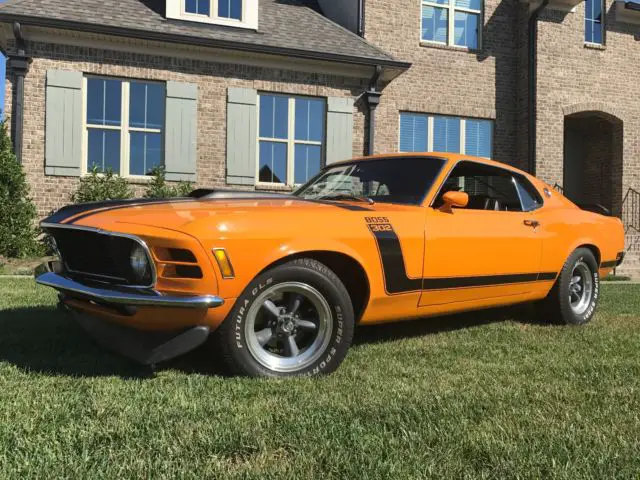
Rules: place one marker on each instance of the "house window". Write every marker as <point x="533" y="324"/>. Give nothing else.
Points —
<point x="291" y="138"/>
<point x="198" y="7"/>
<point x="124" y="125"/>
<point x="230" y="9"/>
<point x="593" y="25"/>
<point x="230" y="13"/>
<point x="224" y="9"/>
<point x="435" y="133"/>
<point x="452" y="22"/>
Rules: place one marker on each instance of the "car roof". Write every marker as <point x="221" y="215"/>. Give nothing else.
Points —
<point x="450" y="157"/>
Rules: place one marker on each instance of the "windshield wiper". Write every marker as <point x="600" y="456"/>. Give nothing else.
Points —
<point x="348" y="196"/>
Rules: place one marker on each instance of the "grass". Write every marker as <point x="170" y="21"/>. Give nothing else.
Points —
<point x="491" y="395"/>
<point x="616" y="278"/>
<point x="20" y="266"/>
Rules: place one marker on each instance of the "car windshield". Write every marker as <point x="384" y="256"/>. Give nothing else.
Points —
<point x="404" y="180"/>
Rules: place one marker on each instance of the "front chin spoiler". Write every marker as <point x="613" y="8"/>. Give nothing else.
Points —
<point x="147" y="348"/>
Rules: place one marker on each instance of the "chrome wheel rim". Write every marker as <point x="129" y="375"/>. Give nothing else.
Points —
<point x="580" y="287"/>
<point x="288" y="327"/>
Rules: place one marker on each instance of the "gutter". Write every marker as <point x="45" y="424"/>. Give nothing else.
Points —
<point x="18" y="64"/>
<point x="372" y="96"/>
<point x="533" y="85"/>
<point x="198" y="41"/>
<point x="361" y="18"/>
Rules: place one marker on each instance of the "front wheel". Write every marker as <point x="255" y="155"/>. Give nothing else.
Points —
<point x="294" y="319"/>
<point x="574" y="297"/>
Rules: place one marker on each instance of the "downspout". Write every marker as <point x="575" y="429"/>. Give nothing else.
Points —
<point x="18" y="63"/>
<point x="360" y="18"/>
<point x="372" y="96"/>
<point x="533" y="85"/>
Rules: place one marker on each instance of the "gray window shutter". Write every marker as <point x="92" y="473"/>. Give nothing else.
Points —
<point x="181" y="131"/>
<point x="339" y="129"/>
<point x="63" y="123"/>
<point x="242" y="131"/>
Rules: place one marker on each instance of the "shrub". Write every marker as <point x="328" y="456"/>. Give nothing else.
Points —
<point x="158" y="187"/>
<point x="18" y="231"/>
<point x="98" y="187"/>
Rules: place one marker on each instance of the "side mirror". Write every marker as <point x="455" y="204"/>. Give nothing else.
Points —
<point x="454" y="199"/>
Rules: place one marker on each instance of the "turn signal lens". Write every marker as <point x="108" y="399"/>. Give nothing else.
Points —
<point x="223" y="262"/>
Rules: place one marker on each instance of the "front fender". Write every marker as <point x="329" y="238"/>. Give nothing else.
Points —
<point x="250" y="262"/>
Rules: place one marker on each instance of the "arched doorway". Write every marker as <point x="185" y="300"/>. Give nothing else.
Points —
<point x="593" y="155"/>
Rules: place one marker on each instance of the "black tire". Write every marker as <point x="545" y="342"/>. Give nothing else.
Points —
<point x="243" y="355"/>
<point x="557" y="306"/>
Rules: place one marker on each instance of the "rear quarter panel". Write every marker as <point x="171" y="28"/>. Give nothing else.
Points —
<point x="565" y="227"/>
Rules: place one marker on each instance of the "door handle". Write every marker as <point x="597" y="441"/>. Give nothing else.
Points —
<point x="532" y="223"/>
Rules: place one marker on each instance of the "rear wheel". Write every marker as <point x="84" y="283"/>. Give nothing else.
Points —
<point x="574" y="297"/>
<point x="295" y="319"/>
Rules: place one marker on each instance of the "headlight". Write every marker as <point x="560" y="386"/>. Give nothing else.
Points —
<point x="140" y="264"/>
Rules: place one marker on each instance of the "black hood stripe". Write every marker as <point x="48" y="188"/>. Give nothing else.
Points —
<point x="84" y="210"/>
<point x="91" y="208"/>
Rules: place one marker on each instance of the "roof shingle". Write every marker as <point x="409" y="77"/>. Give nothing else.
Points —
<point x="287" y="25"/>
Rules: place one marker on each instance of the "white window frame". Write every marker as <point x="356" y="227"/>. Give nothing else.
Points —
<point x="463" y="130"/>
<point x="602" y="25"/>
<point x="451" y="9"/>
<point x="290" y="140"/>
<point x="177" y="9"/>
<point x="125" y="129"/>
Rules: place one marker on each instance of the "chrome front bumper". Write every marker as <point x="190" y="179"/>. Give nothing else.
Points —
<point x="46" y="275"/>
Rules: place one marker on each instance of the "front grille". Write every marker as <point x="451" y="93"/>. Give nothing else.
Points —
<point x="97" y="255"/>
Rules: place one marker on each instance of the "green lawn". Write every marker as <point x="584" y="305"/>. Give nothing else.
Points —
<point x="491" y="395"/>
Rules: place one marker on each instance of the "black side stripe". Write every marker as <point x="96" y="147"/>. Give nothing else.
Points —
<point x="393" y="267"/>
<point x="397" y="281"/>
<point x="609" y="264"/>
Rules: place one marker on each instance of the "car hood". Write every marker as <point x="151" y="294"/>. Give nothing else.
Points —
<point x="183" y="214"/>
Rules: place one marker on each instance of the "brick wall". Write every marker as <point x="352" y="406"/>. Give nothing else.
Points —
<point x="448" y="80"/>
<point x="573" y="78"/>
<point x="213" y="79"/>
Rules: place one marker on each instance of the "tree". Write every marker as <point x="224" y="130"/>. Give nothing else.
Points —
<point x="18" y="231"/>
<point x="98" y="187"/>
<point x="158" y="187"/>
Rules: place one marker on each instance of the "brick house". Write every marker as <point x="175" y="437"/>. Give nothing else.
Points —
<point x="261" y="93"/>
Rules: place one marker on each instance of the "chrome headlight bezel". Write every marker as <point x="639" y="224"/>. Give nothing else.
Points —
<point x="140" y="264"/>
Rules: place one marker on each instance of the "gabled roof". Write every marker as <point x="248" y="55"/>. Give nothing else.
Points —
<point x="286" y="27"/>
<point x="633" y="4"/>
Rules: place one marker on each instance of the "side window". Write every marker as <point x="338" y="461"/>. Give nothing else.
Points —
<point x="529" y="197"/>
<point x="488" y="188"/>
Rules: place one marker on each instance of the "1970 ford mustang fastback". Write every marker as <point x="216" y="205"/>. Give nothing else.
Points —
<point x="277" y="282"/>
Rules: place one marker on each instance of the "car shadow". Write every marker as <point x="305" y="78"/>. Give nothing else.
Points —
<point x="380" y="333"/>
<point x="47" y="341"/>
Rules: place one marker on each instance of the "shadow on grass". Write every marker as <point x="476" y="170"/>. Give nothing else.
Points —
<point x="48" y="341"/>
<point x="428" y="326"/>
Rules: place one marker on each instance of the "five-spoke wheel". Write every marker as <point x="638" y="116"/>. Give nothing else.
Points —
<point x="294" y="319"/>
<point x="574" y="296"/>
<point x="288" y="326"/>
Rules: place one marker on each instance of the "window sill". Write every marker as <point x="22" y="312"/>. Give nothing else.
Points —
<point x="455" y="48"/>
<point x="595" y="46"/>
<point x="265" y="187"/>
<point x="135" y="180"/>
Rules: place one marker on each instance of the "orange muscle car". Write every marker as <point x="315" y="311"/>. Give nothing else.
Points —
<point x="277" y="282"/>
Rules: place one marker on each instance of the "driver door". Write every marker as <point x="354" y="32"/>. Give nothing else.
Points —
<point x="487" y="250"/>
